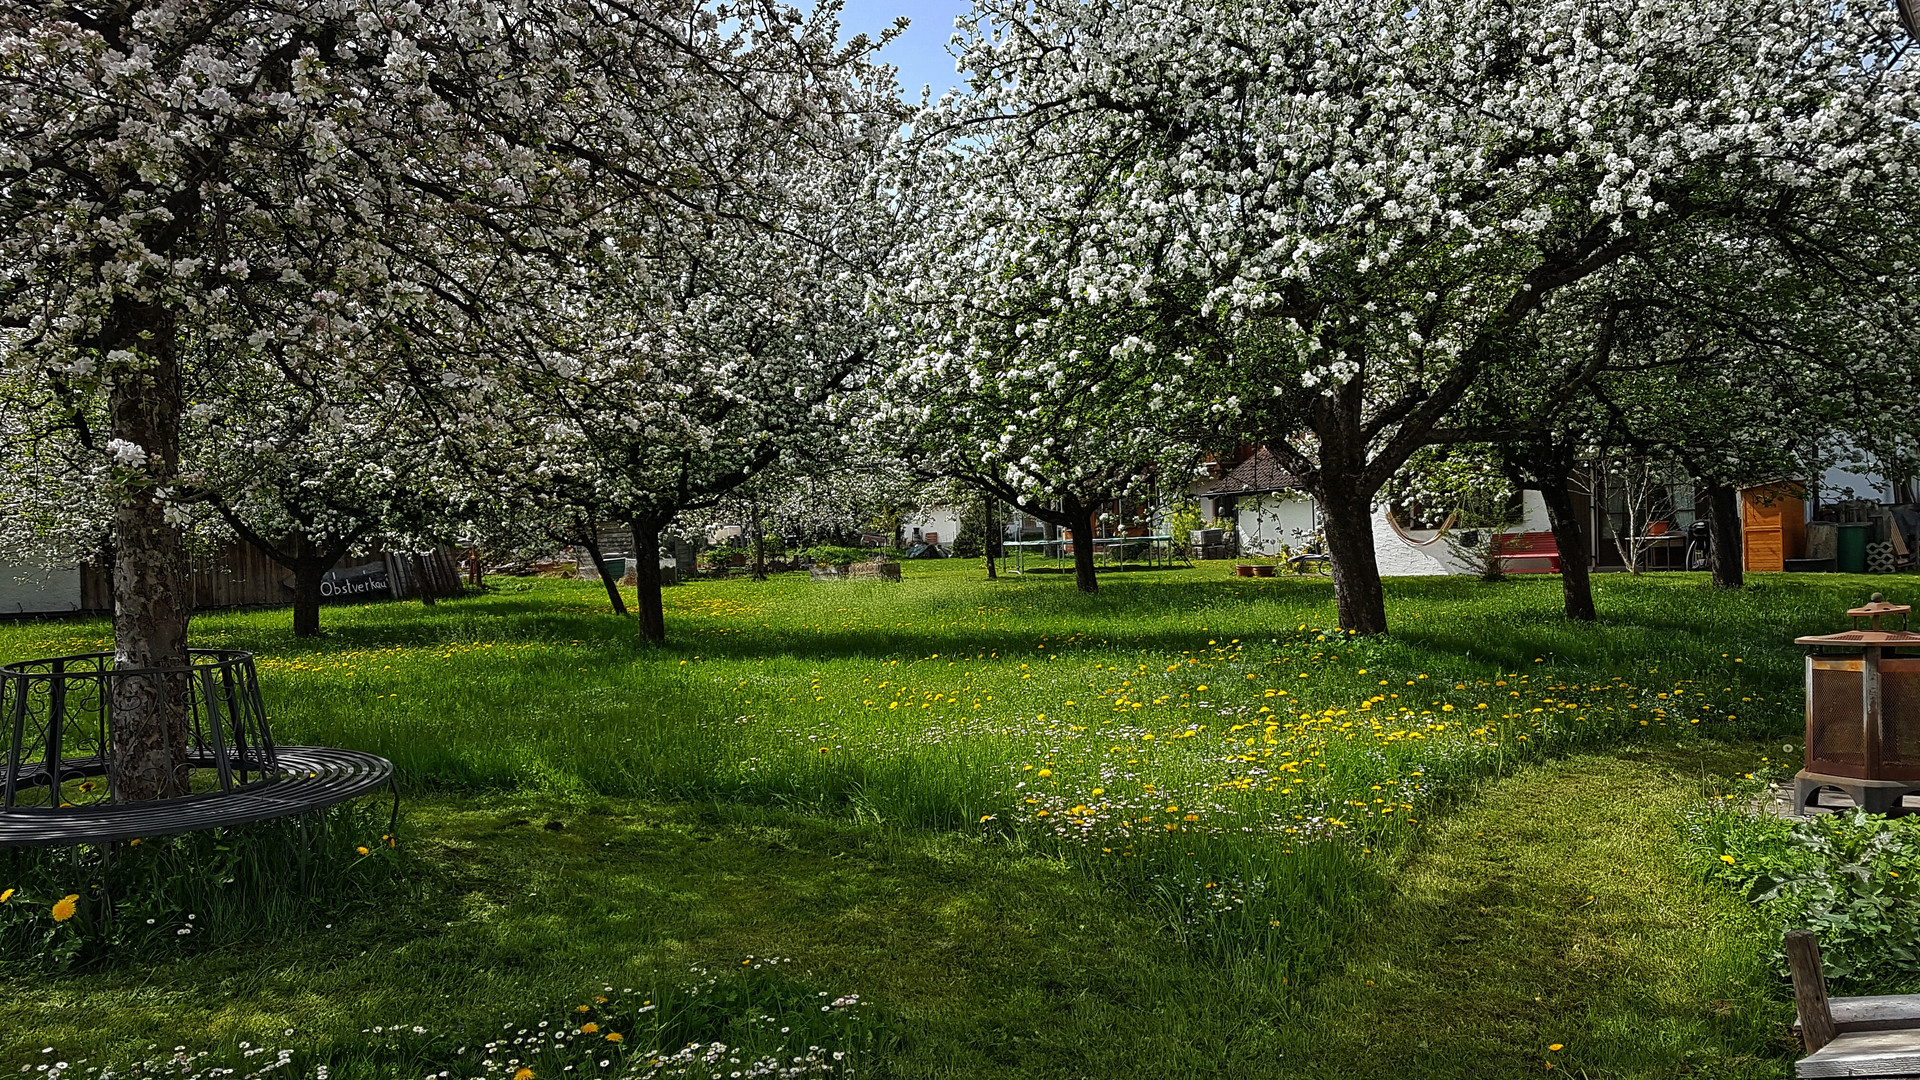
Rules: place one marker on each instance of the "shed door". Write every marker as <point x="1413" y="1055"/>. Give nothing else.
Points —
<point x="1772" y="526"/>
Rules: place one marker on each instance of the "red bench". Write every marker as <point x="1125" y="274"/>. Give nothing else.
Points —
<point x="1536" y="550"/>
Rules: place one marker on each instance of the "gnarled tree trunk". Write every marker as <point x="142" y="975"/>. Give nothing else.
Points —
<point x="1576" y="571"/>
<point x="646" y="553"/>
<point x="151" y="601"/>
<point x="592" y="544"/>
<point x="1084" y="576"/>
<point x="759" y="541"/>
<point x="990" y="541"/>
<point x="1346" y="517"/>
<point x="309" y="568"/>
<point x="425" y="576"/>
<point x="1723" y="528"/>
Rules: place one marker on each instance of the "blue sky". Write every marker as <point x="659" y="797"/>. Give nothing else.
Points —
<point x="920" y="53"/>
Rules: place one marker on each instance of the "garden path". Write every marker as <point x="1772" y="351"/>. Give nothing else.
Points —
<point x="1552" y="911"/>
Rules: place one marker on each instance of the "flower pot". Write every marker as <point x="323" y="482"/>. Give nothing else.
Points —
<point x="1657" y="528"/>
<point x="1243" y="569"/>
<point x="1263" y="570"/>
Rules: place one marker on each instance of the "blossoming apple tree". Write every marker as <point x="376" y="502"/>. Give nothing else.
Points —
<point x="1363" y="197"/>
<point x="336" y="183"/>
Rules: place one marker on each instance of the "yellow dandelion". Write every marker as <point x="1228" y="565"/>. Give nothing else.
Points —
<point x="64" y="908"/>
<point x="614" y="1037"/>
<point x="1728" y="859"/>
<point x="6" y="896"/>
<point x="582" y="1008"/>
<point x="524" y="1074"/>
<point x="588" y="1029"/>
<point x="363" y="850"/>
<point x="1556" y="1047"/>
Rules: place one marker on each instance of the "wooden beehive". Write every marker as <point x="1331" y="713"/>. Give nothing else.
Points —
<point x="1773" y="525"/>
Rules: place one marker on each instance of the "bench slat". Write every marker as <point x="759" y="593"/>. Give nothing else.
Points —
<point x="1865" y="1054"/>
<point x="312" y="778"/>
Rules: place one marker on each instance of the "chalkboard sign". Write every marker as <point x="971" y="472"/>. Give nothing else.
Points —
<point x="356" y="582"/>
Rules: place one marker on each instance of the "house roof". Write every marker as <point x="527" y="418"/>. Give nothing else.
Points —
<point x="1259" y="473"/>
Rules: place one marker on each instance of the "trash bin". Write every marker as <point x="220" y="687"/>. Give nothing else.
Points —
<point x="1851" y="548"/>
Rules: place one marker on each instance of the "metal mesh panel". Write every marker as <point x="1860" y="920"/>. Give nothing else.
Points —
<point x="1900" y="714"/>
<point x="1835" y="737"/>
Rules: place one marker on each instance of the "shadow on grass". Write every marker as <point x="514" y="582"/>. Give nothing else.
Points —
<point x="1503" y="625"/>
<point x="997" y="962"/>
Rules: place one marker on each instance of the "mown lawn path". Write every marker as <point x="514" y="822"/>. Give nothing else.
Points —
<point x="1551" y="909"/>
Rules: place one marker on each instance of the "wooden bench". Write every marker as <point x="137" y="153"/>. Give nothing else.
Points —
<point x="1531" y="547"/>
<point x="1865" y="1037"/>
<point x="307" y="778"/>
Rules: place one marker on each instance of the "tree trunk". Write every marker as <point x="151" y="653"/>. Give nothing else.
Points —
<point x="1723" y="529"/>
<point x="1576" y="577"/>
<point x="308" y="570"/>
<point x="759" y="541"/>
<point x="1347" y="518"/>
<point x="987" y="540"/>
<point x="1081" y="533"/>
<point x="646" y="552"/>
<point x="151" y="601"/>
<point x="427" y="583"/>
<point x="592" y="544"/>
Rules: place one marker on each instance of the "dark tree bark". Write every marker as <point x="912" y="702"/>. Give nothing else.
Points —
<point x="1346" y="517"/>
<point x="592" y="543"/>
<point x="151" y="602"/>
<point x="309" y="567"/>
<point x="421" y="574"/>
<point x="1723" y="529"/>
<point x="646" y="551"/>
<point x="308" y="561"/>
<point x="759" y="541"/>
<point x="1080" y="529"/>
<point x="990" y="540"/>
<point x="1576" y="571"/>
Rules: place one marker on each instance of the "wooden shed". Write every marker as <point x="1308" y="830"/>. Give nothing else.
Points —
<point x="1773" y="524"/>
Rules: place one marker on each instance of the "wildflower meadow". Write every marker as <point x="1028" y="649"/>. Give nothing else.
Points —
<point x="1022" y="828"/>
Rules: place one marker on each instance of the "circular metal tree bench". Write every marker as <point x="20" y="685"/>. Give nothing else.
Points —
<point x="58" y="716"/>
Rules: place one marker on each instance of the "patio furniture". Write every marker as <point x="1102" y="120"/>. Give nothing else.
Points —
<point x="1874" y="1037"/>
<point x="56" y="789"/>
<point x="1538" y="550"/>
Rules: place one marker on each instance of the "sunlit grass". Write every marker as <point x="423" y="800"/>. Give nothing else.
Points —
<point x="1202" y="758"/>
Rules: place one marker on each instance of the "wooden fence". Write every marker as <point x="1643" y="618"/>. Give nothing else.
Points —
<point x="238" y="575"/>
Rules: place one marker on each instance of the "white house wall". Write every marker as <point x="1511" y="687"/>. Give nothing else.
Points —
<point x="1267" y="522"/>
<point x="1400" y="557"/>
<point x="942" y="521"/>
<point x="33" y="589"/>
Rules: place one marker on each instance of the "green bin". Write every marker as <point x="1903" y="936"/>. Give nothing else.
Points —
<point x="1851" y="552"/>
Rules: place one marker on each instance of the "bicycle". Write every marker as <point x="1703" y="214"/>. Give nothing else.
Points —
<point x="1699" y="546"/>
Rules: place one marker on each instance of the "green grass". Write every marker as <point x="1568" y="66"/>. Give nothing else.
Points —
<point x="851" y="775"/>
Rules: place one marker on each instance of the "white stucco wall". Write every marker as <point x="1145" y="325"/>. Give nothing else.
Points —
<point x="1399" y="558"/>
<point x="942" y="521"/>
<point x="27" y="589"/>
<point x="1269" y="521"/>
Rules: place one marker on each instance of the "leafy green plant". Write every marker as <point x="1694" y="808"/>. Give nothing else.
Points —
<point x="834" y="555"/>
<point x="70" y="906"/>
<point x="1853" y="878"/>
